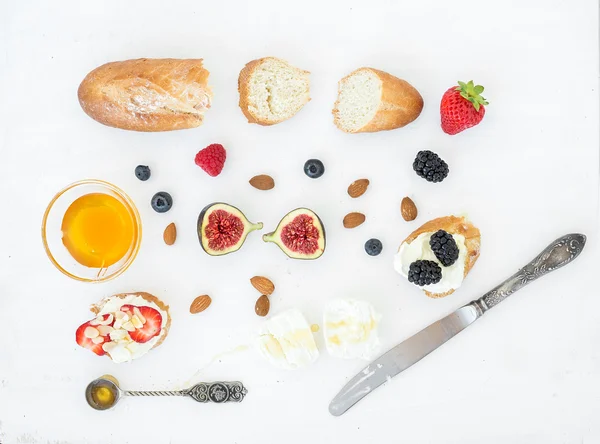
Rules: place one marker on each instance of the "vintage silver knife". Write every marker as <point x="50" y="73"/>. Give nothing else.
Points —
<point x="558" y="253"/>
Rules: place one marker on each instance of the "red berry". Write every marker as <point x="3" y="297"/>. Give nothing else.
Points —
<point x="462" y="107"/>
<point x="86" y="342"/>
<point x="151" y="326"/>
<point x="211" y="159"/>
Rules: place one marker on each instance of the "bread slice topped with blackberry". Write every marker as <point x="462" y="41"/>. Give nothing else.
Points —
<point x="271" y="90"/>
<point x="438" y="255"/>
<point x="370" y="100"/>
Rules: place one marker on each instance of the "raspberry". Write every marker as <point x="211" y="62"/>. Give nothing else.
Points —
<point x="211" y="159"/>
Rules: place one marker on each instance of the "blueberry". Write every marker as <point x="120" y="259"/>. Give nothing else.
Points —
<point x="142" y="172"/>
<point x="161" y="202"/>
<point x="373" y="247"/>
<point x="314" y="168"/>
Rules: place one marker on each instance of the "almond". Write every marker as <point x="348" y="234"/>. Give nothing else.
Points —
<point x="199" y="304"/>
<point x="128" y="326"/>
<point x="91" y="332"/>
<point x="358" y="187"/>
<point x="136" y="322"/>
<point x="109" y="320"/>
<point x="138" y="313"/>
<point x="263" y="285"/>
<point x="170" y="234"/>
<point x="105" y="330"/>
<point x="262" y="182"/>
<point x="353" y="220"/>
<point x="262" y="305"/>
<point x="408" y="209"/>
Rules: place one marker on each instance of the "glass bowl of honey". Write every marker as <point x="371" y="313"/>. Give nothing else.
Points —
<point x="91" y="231"/>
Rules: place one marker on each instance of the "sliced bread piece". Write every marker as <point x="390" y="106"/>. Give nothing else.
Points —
<point x="453" y="225"/>
<point x="370" y="100"/>
<point x="272" y="90"/>
<point x="126" y="326"/>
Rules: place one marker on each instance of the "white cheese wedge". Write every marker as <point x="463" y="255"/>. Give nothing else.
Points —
<point x="350" y="329"/>
<point x="287" y="342"/>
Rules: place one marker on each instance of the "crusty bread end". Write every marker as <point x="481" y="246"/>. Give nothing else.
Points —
<point x="147" y="94"/>
<point x="370" y="100"/>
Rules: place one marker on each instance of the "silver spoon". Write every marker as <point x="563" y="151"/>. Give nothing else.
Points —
<point x="107" y="387"/>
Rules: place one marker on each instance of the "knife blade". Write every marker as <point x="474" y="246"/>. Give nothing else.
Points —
<point x="559" y="253"/>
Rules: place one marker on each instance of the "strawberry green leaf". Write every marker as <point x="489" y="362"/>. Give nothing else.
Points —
<point x="472" y="93"/>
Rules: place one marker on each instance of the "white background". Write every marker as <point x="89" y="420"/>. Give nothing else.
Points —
<point x="528" y="372"/>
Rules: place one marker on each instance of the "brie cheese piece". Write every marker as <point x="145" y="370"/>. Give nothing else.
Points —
<point x="287" y="342"/>
<point x="350" y="329"/>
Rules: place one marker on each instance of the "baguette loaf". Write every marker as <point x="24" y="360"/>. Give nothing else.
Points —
<point x="370" y="100"/>
<point x="271" y="90"/>
<point x="147" y="94"/>
<point x="453" y="225"/>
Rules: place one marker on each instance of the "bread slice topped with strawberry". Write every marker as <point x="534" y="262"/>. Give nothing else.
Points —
<point x="126" y="326"/>
<point x="438" y="255"/>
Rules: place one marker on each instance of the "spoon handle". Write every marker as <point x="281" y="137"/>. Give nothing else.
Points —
<point x="154" y="393"/>
<point x="217" y="392"/>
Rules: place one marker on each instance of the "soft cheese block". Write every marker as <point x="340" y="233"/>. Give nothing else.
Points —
<point x="287" y="342"/>
<point x="350" y="329"/>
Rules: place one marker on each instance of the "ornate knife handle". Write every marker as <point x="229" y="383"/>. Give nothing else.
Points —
<point x="560" y="252"/>
<point x="217" y="392"/>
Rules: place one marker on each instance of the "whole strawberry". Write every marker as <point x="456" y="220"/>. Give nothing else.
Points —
<point x="462" y="107"/>
<point x="211" y="159"/>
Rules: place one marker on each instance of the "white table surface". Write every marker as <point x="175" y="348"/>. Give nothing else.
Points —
<point x="526" y="373"/>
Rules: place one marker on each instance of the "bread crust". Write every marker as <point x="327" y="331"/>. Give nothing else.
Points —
<point x="96" y="308"/>
<point x="147" y="94"/>
<point x="453" y="225"/>
<point x="244" y="90"/>
<point x="400" y="104"/>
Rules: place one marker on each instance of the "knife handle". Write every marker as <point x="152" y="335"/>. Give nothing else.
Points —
<point x="560" y="252"/>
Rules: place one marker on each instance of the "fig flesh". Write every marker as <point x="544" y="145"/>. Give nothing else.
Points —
<point x="300" y="235"/>
<point x="222" y="228"/>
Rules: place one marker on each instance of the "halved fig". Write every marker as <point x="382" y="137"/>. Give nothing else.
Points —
<point x="222" y="229"/>
<point x="300" y="235"/>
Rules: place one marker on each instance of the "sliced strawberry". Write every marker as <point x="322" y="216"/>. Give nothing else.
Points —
<point x="152" y="323"/>
<point x="86" y="342"/>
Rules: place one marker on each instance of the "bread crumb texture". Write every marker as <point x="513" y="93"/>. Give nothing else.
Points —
<point x="359" y="96"/>
<point x="276" y="90"/>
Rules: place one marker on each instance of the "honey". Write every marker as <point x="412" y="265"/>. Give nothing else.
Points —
<point x="98" y="230"/>
<point x="103" y="396"/>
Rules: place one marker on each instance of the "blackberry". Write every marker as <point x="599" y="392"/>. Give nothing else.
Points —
<point x="430" y="166"/>
<point x="161" y="202"/>
<point x="424" y="273"/>
<point x="373" y="247"/>
<point x="142" y="172"/>
<point x="444" y="247"/>
<point x="314" y="168"/>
